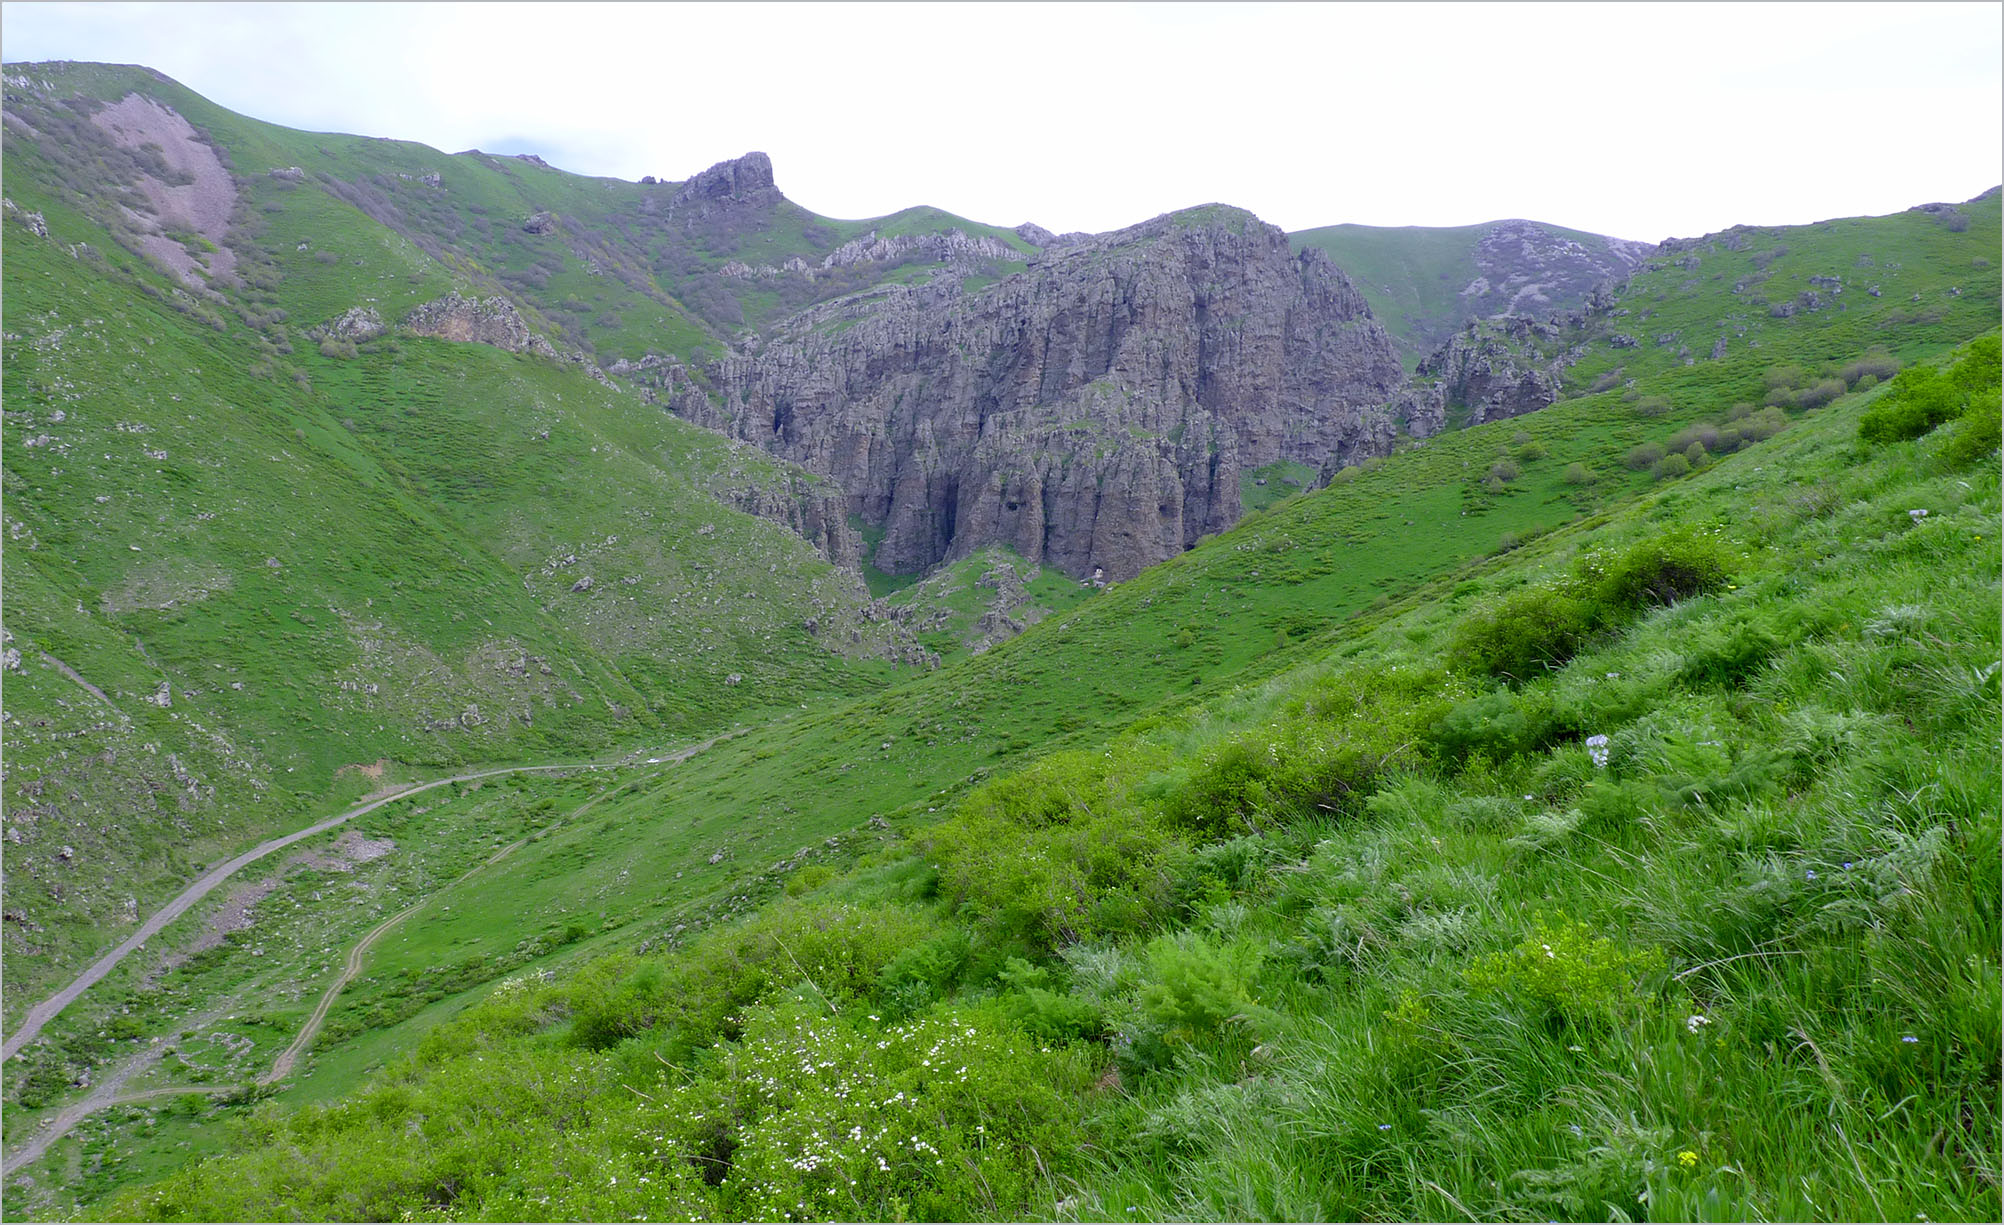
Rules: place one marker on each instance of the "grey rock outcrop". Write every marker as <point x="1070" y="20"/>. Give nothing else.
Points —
<point x="487" y="321"/>
<point x="36" y="223"/>
<point x="745" y="181"/>
<point x="357" y="323"/>
<point x="1496" y="371"/>
<point x="1094" y="411"/>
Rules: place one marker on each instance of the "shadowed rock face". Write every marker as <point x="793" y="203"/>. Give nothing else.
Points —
<point x="1094" y="411"/>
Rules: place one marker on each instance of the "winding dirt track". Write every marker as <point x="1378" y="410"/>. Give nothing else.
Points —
<point x="42" y="1013"/>
<point x="107" y="1095"/>
<point x="60" y="1126"/>
<point x="283" y="1065"/>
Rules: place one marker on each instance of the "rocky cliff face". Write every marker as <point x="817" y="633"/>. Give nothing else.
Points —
<point x="1493" y="371"/>
<point x="1093" y="412"/>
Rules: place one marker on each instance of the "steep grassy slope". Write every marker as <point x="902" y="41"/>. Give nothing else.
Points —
<point x="427" y="554"/>
<point x="1803" y="297"/>
<point x="433" y="510"/>
<point x="718" y="836"/>
<point x="1698" y="920"/>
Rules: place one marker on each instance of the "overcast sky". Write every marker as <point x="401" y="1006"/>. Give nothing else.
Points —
<point x="1643" y="121"/>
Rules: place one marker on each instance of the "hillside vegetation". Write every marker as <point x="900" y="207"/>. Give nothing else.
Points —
<point x="1695" y="918"/>
<point x="1291" y="878"/>
<point x="229" y="590"/>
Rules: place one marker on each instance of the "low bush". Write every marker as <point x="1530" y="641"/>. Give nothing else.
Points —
<point x="1876" y="364"/>
<point x="1525" y="635"/>
<point x="1660" y="570"/>
<point x="1059" y="852"/>
<point x="1819" y="393"/>
<point x="1644" y="456"/>
<point x="1538" y="629"/>
<point x="840" y="950"/>
<point x="1670" y="467"/>
<point x="1495" y="725"/>
<point x="1192" y="992"/>
<point x="1923" y="397"/>
<point x="1978" y="434"/>
<point x="1569" y="973"/>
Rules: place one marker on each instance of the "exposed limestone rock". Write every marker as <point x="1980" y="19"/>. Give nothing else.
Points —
<point x="487" y="321"/>
<point x="1093" y="411"/>
<point x="36" y="223"/>
<point x="950" y="246"/>
<point x="539" y="223"/>
<point x="357" y="323"/>
<point x="744" y="181"/>
<point x="953" y="248"/>
<point x="197" y="195"/>
<point x="1492" y="370"/>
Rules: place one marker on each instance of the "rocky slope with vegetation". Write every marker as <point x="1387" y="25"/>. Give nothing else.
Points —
<point x="1425" y="284"/>
<point x="1225" y="891"/>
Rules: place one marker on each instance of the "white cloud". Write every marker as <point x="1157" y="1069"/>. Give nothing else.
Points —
<point x="1643" y="120"/>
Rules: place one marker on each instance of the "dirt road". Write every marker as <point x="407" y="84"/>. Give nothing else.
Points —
<point x="42" y="1013"/>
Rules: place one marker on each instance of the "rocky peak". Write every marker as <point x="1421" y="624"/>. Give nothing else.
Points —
<point x="743" y="180"/>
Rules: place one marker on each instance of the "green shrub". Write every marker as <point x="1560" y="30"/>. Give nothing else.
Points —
<point x="1920" y="399"/>
<point x="922" y="973"/>
<point x="1784" y="376"/>
<point x="1877" y="365"/>
<point x="1192" y="990"/>
<point x="1644" y="456"/>
<point x="1652" y="406"/>
<point x="1525" y="635"/>
<point x="841" y="950"/>
<point x="1764" y="424"/>
<point x="1495" y="725"/>
<point x="1325" y="753"/>
<point x="1576" y="474"/>
<point x="1568" y="972"/>
<point x="1661" y="570"/>
<point x="1059" y="852"/>
<point x="1725" y="654"/>
<point x="1822" y="392"/>
<point x="1977" y="433"/>
<point x="1044" y="1013"/>
<point x="1670" y="467"/>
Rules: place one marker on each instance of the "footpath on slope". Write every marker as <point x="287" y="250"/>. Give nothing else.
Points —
<point x="107" y="1093"/>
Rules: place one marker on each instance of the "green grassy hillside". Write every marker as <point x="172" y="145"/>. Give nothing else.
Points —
<point x="426" y="554"/>
<point x="727" y="832"/>
<point x="390" y="224"/>
<point x="1634" y="934"/>
<point x="1248" y="824"/>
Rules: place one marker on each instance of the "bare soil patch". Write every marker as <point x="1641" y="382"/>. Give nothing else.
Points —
<point x="201" y="204"/>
